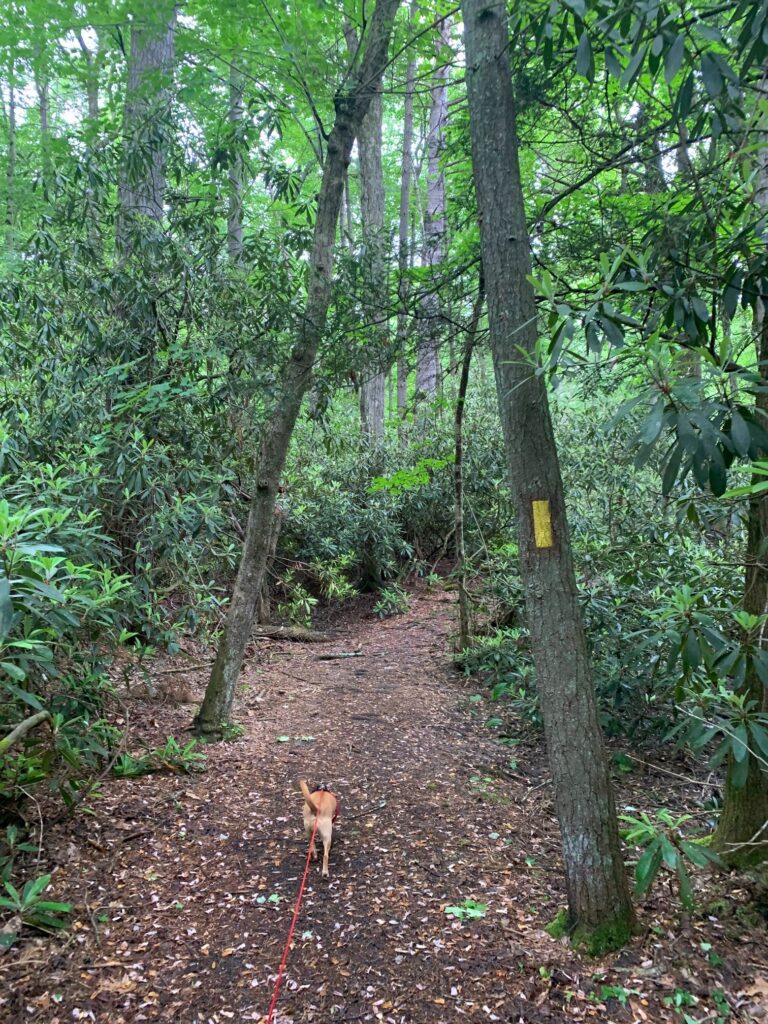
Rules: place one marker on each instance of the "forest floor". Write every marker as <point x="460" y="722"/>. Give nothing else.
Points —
<point x="184" y="886"/>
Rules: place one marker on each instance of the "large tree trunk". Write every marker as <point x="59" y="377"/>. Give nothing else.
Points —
<point x="376" y="295"/>
<point x="147" y="108"/>
<point x="428" y="358"/>
<point x="141" y="188"/>
<point x="403" y="256"/>
<point x="742" y="830"/>
<point x="599" y="909"/>
<point x="351" y="106"/>
<point x="236" y="168"/>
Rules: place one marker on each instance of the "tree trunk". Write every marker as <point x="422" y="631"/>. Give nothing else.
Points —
<point x="91" y="77"/>
<point x="264" y="610"/>
<point x="403" y="257"/>
<point x="236" y="168"/>
<point x="351" y="106"/>
<point x="741" y="836"/>
<point x="147" y="108"/>
<point x="10" y="168"/>
<point x="376" y="298"/>
<point x="458" y="470"/>
<point x="141" y="188"/>
<point x="428" y="359"/>
<point x="43" y="106"/>
<point x="599" y="909"/>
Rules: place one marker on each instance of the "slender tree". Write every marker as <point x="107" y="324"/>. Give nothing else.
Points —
<point x="375" y="294"/>
<point x="10" y="164"/>
<point x="599" y="909"/>
<point x="428" y="354"/>
<point x="236" y="166"/>
<point x="404" y="255"/>
<point x="351" y="105"/>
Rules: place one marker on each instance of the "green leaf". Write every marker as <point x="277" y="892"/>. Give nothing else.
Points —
<point x="647" y="868"/>
<point x="634" y="67"/>
<point x="585" y="64"/>
<point x="713" y="79"/>
<point x="653" y="424"/>
<point x="740" y="742"/>
<point x="691" y="650"/>
<point x="718" y="479"/>
<point x="684" y="882"/>
<point x="674" y="58"/>
<point x="740" y="433"/>
<point x="668" y="852"/>
<point x="17" y="673"/>
<point x="739" y="773"/>
<point x="671" y="470"/>
<point x="759" y="738"/>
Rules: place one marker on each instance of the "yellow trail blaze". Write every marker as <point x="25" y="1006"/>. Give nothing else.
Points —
<point x="542" y="524"/>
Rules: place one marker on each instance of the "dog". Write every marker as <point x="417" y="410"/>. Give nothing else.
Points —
<point x="323" y="805"/>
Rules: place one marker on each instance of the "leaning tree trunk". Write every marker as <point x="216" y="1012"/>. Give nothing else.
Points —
<point x="427" y="356"/>
<point x="351" y="106"/>
<point x="742" y="829"/>
<point x="599" y="909"/>
<point x="376" y="297"/>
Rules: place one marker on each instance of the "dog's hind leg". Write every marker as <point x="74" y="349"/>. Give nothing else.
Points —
<point x="325" y="828"/>
<point x="308" y="833"/>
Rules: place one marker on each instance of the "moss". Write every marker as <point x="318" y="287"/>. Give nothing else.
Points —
<point x="559" y="927"/>
<point x="593" y="941"/>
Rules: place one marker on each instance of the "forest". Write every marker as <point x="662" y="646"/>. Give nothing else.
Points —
<point x="384" y="403"/>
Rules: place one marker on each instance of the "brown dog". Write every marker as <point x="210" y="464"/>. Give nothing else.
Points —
<point x="323" y="805"/>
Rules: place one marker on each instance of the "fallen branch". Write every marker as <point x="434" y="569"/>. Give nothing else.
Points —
<point x="341" y="654"/>
<point x="22" y="729"/>
<point x="299" y="633"/>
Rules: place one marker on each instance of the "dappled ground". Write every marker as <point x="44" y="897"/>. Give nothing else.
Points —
<point x="184" y="886"/>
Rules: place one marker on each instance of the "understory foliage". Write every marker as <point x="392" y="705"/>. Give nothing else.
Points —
<point x="142" y="357"/>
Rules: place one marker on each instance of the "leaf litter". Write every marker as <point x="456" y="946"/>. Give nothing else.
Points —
<point x="445" y="867"/>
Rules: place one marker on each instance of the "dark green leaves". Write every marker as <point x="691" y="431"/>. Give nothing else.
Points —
<point x="713" y="80"/>
<point x="585" y="61"/>
<point x="674" y="58"/>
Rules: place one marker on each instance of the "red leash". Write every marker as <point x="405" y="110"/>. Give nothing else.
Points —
<point x="293" y="925"/>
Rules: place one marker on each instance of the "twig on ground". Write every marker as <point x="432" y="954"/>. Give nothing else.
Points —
<point x="341" y="654"/>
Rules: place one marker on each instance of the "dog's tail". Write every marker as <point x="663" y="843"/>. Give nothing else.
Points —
<point x="307" y="796"/>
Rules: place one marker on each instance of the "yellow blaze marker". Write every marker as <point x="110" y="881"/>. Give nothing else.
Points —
<point x="542" y="524"/>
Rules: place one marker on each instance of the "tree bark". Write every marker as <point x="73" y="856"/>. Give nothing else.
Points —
<point x="427" y="358"/>
<point x="10" y="168"/>
<point x="43" y="106"/>
<point x="236" y="168"/>
<point x="375" y="301"/>
<point x="458" y="470"/>
<point x="403" y="256"/>
<point x="147" y="108"/>
<point x="741" y="836"/>
<point x="599" y="913"/>
<point x="350" y="106"/>
<point x="91" y="77"/>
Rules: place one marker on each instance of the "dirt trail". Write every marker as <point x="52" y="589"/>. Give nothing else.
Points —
<point x="185" y="886"/>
